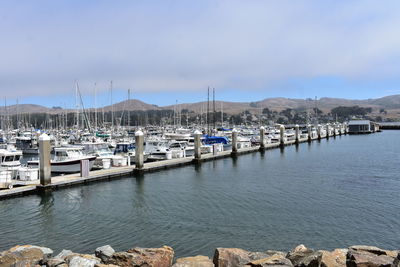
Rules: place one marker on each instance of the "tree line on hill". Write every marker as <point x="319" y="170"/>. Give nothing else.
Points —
<point x="184" y="117"/>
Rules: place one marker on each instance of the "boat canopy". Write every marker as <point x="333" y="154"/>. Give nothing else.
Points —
<point x="207" y="139"/>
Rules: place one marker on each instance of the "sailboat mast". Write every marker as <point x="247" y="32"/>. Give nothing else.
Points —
<point x="208" y="110"/>
<point x="129" y="113"/>
<point x="95" y="107"/>
<point x="77" y="105"/>
<point x="112" y="107"/>
<point x="214" y="114"/>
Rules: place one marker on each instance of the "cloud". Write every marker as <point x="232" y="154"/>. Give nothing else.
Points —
<point x="154" y="46"/>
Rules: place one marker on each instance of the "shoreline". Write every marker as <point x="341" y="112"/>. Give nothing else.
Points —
<point x="300" y="256"/>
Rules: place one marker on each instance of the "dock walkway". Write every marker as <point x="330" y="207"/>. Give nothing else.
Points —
<point x="23" y="188"/>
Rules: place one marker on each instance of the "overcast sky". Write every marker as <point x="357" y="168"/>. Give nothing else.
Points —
<point x="172" y="50"/>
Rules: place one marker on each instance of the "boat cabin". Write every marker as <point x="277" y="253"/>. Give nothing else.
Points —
<point x="10" y="159"/>
<point x="65" y="153"/>
<point x="360" y="127"/>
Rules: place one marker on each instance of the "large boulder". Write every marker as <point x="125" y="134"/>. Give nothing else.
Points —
<point x="359" y="258"/>
<point x="81" y="260"/>
<point x="149" y="257"/>
<point x="336" y="258"/>
<point x="273" y="261"/>
<point x="232" y="257"/>
<point x="301" y="256"/>
<point x="104" y="252"/>
<point x="22" y="256"/>
<point x="370" y="249"/>
<point x="64" y="253"/>
<point x="198" y="261"/>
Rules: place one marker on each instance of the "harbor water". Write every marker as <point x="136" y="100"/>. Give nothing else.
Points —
<point x="328" y="194"/>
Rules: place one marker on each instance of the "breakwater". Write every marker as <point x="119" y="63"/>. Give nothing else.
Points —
<point x="300" y="256"/>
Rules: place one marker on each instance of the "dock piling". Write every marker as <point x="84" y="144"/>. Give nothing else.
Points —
<point x="234" y="141"/>
<point x="309" y="133"/>
<point x="262" y="138"/>
<point x="197" y="145"/>
<point x="319" y="131"/>
<point x="139" y="158"/>
<point x="282" y="135"/>
<point x="44" y="160"/>
<point x="297" y="133"/>
<point x="327" y="131"/>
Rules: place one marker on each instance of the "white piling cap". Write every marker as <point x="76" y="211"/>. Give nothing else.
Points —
<point x="234" y="130"/>
<point x="139" y="133"/>
<point x="282" y="126"/>
<point x="297" y="126"/>
<point x="262" y="128"/>
<point x="197" y="132"/>
<point x="44" y="137"/>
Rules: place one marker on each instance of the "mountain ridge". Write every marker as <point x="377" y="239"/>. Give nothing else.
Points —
<point x="388" y="103"/>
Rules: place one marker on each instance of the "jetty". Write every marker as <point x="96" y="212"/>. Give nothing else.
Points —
<point x="48" y="182"/>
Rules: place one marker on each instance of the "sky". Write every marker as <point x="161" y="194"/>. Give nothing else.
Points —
<point x="168" y="51"/>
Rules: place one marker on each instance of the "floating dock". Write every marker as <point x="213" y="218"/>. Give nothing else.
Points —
<point x="75" y="179"/>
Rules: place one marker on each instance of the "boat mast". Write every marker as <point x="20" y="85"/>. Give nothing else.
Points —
<point x="214" y="117"/>
<point x="77" y="105"/>
<point x="112" y="107"/>
<point x="95" y="107"/>
<point x="129" y="102"/>
<point x="222" y="116"/>
<point x="208" y="110"/>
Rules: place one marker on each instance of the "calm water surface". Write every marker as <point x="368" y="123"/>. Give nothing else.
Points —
<point x="328" y="194"/>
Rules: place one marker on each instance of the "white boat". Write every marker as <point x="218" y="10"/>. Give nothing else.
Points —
<point x="127" y="149"/>
<point x="158" y="150"/>
<point x="6" y="178"/>
<point x="10" y="159"/>
<point x="103" y="153"/>
<point x="67" y="160"/>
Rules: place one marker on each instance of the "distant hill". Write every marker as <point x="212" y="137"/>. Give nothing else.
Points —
<point x="26" y="108"/>
<point x="389" y="103"/>
<point x="132" y="104"/>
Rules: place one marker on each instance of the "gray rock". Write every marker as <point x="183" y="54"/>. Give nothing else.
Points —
<point x="64" y="253"/>
<point x="302" y="256"/>
<point x="79" y="261"/>
<point x="104" y="252"/>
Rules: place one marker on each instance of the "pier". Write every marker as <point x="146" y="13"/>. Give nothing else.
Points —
<point x="47" y="183"/>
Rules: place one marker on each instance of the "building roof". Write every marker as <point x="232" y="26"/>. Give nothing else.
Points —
<point x="359" y="122"/>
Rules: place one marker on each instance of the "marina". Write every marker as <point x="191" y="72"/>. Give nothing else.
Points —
<point x="70" y="158"/>
<point x="308" y="194"/>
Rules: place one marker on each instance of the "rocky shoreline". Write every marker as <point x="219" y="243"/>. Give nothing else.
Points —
<point x="301" y="256"/>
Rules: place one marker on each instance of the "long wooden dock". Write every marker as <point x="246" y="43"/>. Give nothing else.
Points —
<point x="114" y="172"/>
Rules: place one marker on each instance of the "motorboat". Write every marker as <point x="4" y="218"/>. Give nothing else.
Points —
<point x="158" y="150"/>
<point x="127" y="149"/>
<point x="10" y="159"/>
<point x="67" y="160"/>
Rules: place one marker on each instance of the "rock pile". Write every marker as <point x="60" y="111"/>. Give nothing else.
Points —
<point x="106" y="256"/>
